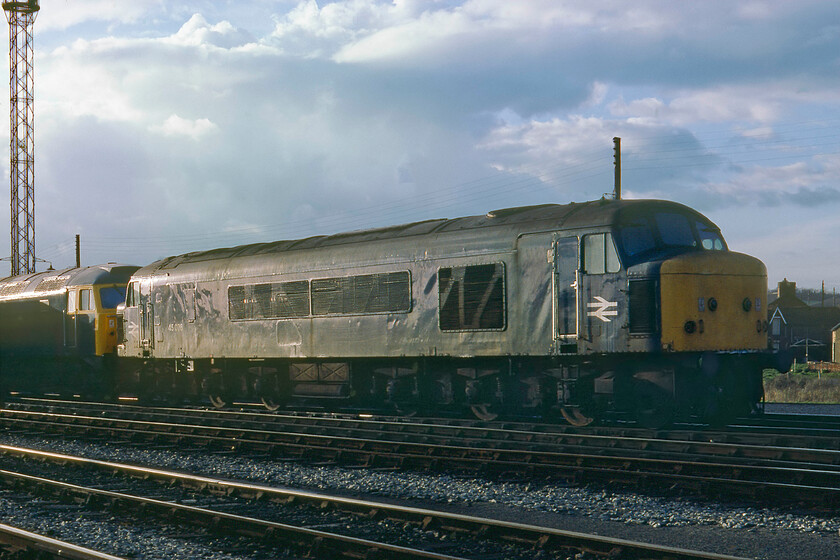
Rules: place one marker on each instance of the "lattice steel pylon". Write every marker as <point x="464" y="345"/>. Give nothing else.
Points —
<point x="21" y="16"/>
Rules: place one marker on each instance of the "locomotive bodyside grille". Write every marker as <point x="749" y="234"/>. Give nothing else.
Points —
<point x="643" y="306"/>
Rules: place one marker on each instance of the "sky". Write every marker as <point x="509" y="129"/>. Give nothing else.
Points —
<point x="166" y="127"/>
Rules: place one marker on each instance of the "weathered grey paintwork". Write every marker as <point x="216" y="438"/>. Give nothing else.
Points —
<point x="182" y="311"/>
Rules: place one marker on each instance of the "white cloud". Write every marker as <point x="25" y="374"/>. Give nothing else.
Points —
<point x="69" y="86"/>
<point x="751" y="104"/>
<point x="198" y="32"/>
<point x="141" y="80"/>
<point x="808" y="183"/>
<point x="177" y="126"/>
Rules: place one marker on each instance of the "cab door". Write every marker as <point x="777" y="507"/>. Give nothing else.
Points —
<point x="566" y="270"/>
<point x="603" y="313"/>
<point x="131" y="318"/>
<point x="86" y="321"/>
<point x="70" y="320"/>
<point x="147" y="316"/>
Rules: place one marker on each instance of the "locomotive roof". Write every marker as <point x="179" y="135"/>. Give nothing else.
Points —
<point x="51" y="280"/>
<point x="596" y="213"/>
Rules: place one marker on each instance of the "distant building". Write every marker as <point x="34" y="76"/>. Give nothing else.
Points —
<point x="804" y="331"/>
<point x="835" y="344"/>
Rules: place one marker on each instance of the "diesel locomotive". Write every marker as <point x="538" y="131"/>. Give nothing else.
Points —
<point x="58" y="330"/>
<point x="580" y="311"/>
<point x="632" y="307"/>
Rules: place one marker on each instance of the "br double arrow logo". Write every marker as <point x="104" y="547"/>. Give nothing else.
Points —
<point x="602" y="309"/>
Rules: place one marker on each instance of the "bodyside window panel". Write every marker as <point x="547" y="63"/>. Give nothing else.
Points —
<point x="389" y="292"/>
<point x="328" y="296"/>
<point x="238" y="306"/>
<point x="280" y="300"/>
<point x="290" y="299"/>
<point x="262" y="301"/>
<point x="472" y="297"/>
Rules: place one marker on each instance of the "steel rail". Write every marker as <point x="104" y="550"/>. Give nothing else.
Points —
<point x="543" y="538"/>
<point x="319" y="543"/>
<point x="819" y="463"/>
<point x="788" y="485"/>
<point x="519" y="437"/>
<point x="787" y="420"/>
<point x="515" y="430"/>
<point x="14" y="540"/>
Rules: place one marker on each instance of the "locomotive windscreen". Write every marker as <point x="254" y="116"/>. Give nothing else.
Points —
<point x="111" y="296"/>
<point x="657" y="235"/>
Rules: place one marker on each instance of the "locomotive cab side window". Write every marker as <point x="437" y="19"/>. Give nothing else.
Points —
<point x="599" y="254"/>
<point x="71" y="301"/>
<point x="85" y="300"/>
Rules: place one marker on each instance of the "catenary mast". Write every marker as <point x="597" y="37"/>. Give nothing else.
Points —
<point x="21" y="16"/>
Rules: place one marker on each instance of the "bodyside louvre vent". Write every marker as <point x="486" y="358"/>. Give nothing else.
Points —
<point x="472" y="298"/>
<point x="643" y="306"/>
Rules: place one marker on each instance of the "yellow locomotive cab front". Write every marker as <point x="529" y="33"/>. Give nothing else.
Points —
<point x="714" y="301"/>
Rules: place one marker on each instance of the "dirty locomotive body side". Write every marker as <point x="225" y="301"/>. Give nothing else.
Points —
<point x="58" y="330"/>
<point x="579" y="310"/>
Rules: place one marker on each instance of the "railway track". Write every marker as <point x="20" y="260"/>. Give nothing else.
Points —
<point x="808" y="476"/>
<point x="17" y="543"/>
<point x="464" y="537"/>
<point x="784" y="422"/>
<point x="823" y="433"/>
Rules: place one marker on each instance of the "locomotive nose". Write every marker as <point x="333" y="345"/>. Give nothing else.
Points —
<point x="715" y="301"/>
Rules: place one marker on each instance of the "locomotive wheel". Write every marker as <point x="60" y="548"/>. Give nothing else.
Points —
<point x="218" y="401"/>
<point x="575" y="417"/>
<point x="484" y="412"/>
<point x="270" y="404"/>
<point x="405" y="409"/>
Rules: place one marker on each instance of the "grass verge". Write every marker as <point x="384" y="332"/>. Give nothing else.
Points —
<point x="803" y="384"/>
